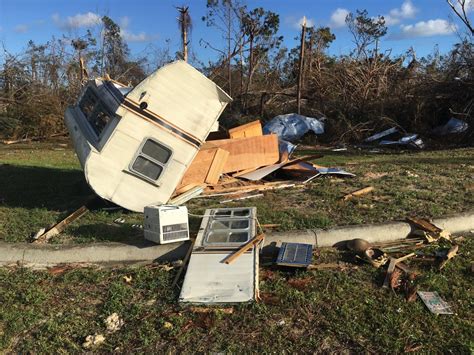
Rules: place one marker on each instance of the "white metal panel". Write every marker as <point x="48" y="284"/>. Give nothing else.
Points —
<point x="209" y="280"/>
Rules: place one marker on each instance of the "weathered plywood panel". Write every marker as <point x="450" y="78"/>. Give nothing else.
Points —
<point x="252" y="129"/>
<point x="206" y="167"/>
<point x="247" y="153"/>
<point x="218" y="163"/>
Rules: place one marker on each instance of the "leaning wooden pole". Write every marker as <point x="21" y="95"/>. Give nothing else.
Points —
<point x="300" y="72"/>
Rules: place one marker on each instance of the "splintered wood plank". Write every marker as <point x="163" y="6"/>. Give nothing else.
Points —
<point x="205" y="168"/>
<point x="247" y="153"/>
<point x="59" y="227"/>
<point x="357" y="193"/>
<point x="425" y="225"/>
<point x="217" y="165"/>
<point x="252" y="129"/>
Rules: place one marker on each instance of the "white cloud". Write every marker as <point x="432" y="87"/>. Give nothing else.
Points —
<point x="407" y="10"/>
<point x="135" y="37"/>
<point x="428" y="28"/>
<point x="338" y="18"/>
<point x="21" y="28"/>
<point x="129" y="36"/>
<point x="88" y="19"/>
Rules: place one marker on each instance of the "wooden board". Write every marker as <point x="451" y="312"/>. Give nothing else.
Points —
<point x="247" y="153"/>
<point x="217" y="166"/>
<point x="252" y="129"/>
<point x="206" y="167"/>
<point x="59" y="227"/>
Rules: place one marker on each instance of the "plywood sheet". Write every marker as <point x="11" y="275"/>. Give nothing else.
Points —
<point x="215" y="170"/>
<point x="247" y="153"/>
<point x="252" y="129"/>
<point x="206" y="167"/>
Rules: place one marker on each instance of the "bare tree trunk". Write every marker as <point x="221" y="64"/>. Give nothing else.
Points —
<point x="229" y="64"/>
<point x="241" y="61"/>
<point x="300" y="72"/>
<point x="184" y="21"/>
<point x="185" y="42"/>
<point x="310" y="53"/>
<point x="249" y="79"/>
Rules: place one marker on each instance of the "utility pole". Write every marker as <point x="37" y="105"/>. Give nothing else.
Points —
<point x="185" y="24"/>
<point x="300" y="72"/>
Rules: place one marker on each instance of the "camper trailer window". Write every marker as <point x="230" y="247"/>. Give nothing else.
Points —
<point x="147" y="167"/>
<point x="94" y="111"/>
<point x="156" y="151"/>
<point x="151" y="159"/>
<point x="99" y="119"/>
<point x="88" y="103"/>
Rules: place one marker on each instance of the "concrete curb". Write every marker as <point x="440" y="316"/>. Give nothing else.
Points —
<point x="38" y="256"/>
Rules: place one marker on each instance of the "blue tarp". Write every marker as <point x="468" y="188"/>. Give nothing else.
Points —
<point x="292" y="126"/>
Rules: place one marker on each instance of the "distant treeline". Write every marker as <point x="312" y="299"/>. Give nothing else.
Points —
<point x="359" y="93"/>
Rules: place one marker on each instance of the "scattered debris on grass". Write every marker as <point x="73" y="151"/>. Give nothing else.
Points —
<point x="434" y="302"/>
<point x="295" y="255"/>
<point x="358" y="193"/>
<point x="453" y="126"/>
<point x="113" y="323"/>
<point x="93" y="341"/>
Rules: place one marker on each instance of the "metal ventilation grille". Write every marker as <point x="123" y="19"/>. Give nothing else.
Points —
<point x="295" y="254"/>
<point x="175" y="231"/>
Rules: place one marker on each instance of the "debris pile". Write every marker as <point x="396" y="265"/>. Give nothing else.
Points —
<point x="398" y="138"/>
<point x="399" y="276"/>
<point x="236" y="166"/>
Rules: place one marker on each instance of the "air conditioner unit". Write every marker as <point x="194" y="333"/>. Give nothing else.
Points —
<point x="166" y="224"/>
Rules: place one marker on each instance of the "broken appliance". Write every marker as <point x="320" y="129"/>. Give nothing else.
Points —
<point x="135" y="144"/>
<point x="166" y="224"/>
<point x="208" y="279"/>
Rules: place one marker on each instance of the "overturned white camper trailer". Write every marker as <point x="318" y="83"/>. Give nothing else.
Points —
<point x="135" y="144"/>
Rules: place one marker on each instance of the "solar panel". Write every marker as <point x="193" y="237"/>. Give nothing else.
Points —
<point x="295" y="254"/>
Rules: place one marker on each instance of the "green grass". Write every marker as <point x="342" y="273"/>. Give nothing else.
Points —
<point x="41" y="182"/>
<point x="302" y="311"/>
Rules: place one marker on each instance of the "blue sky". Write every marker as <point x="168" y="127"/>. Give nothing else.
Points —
<point x="418" y="23"/>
